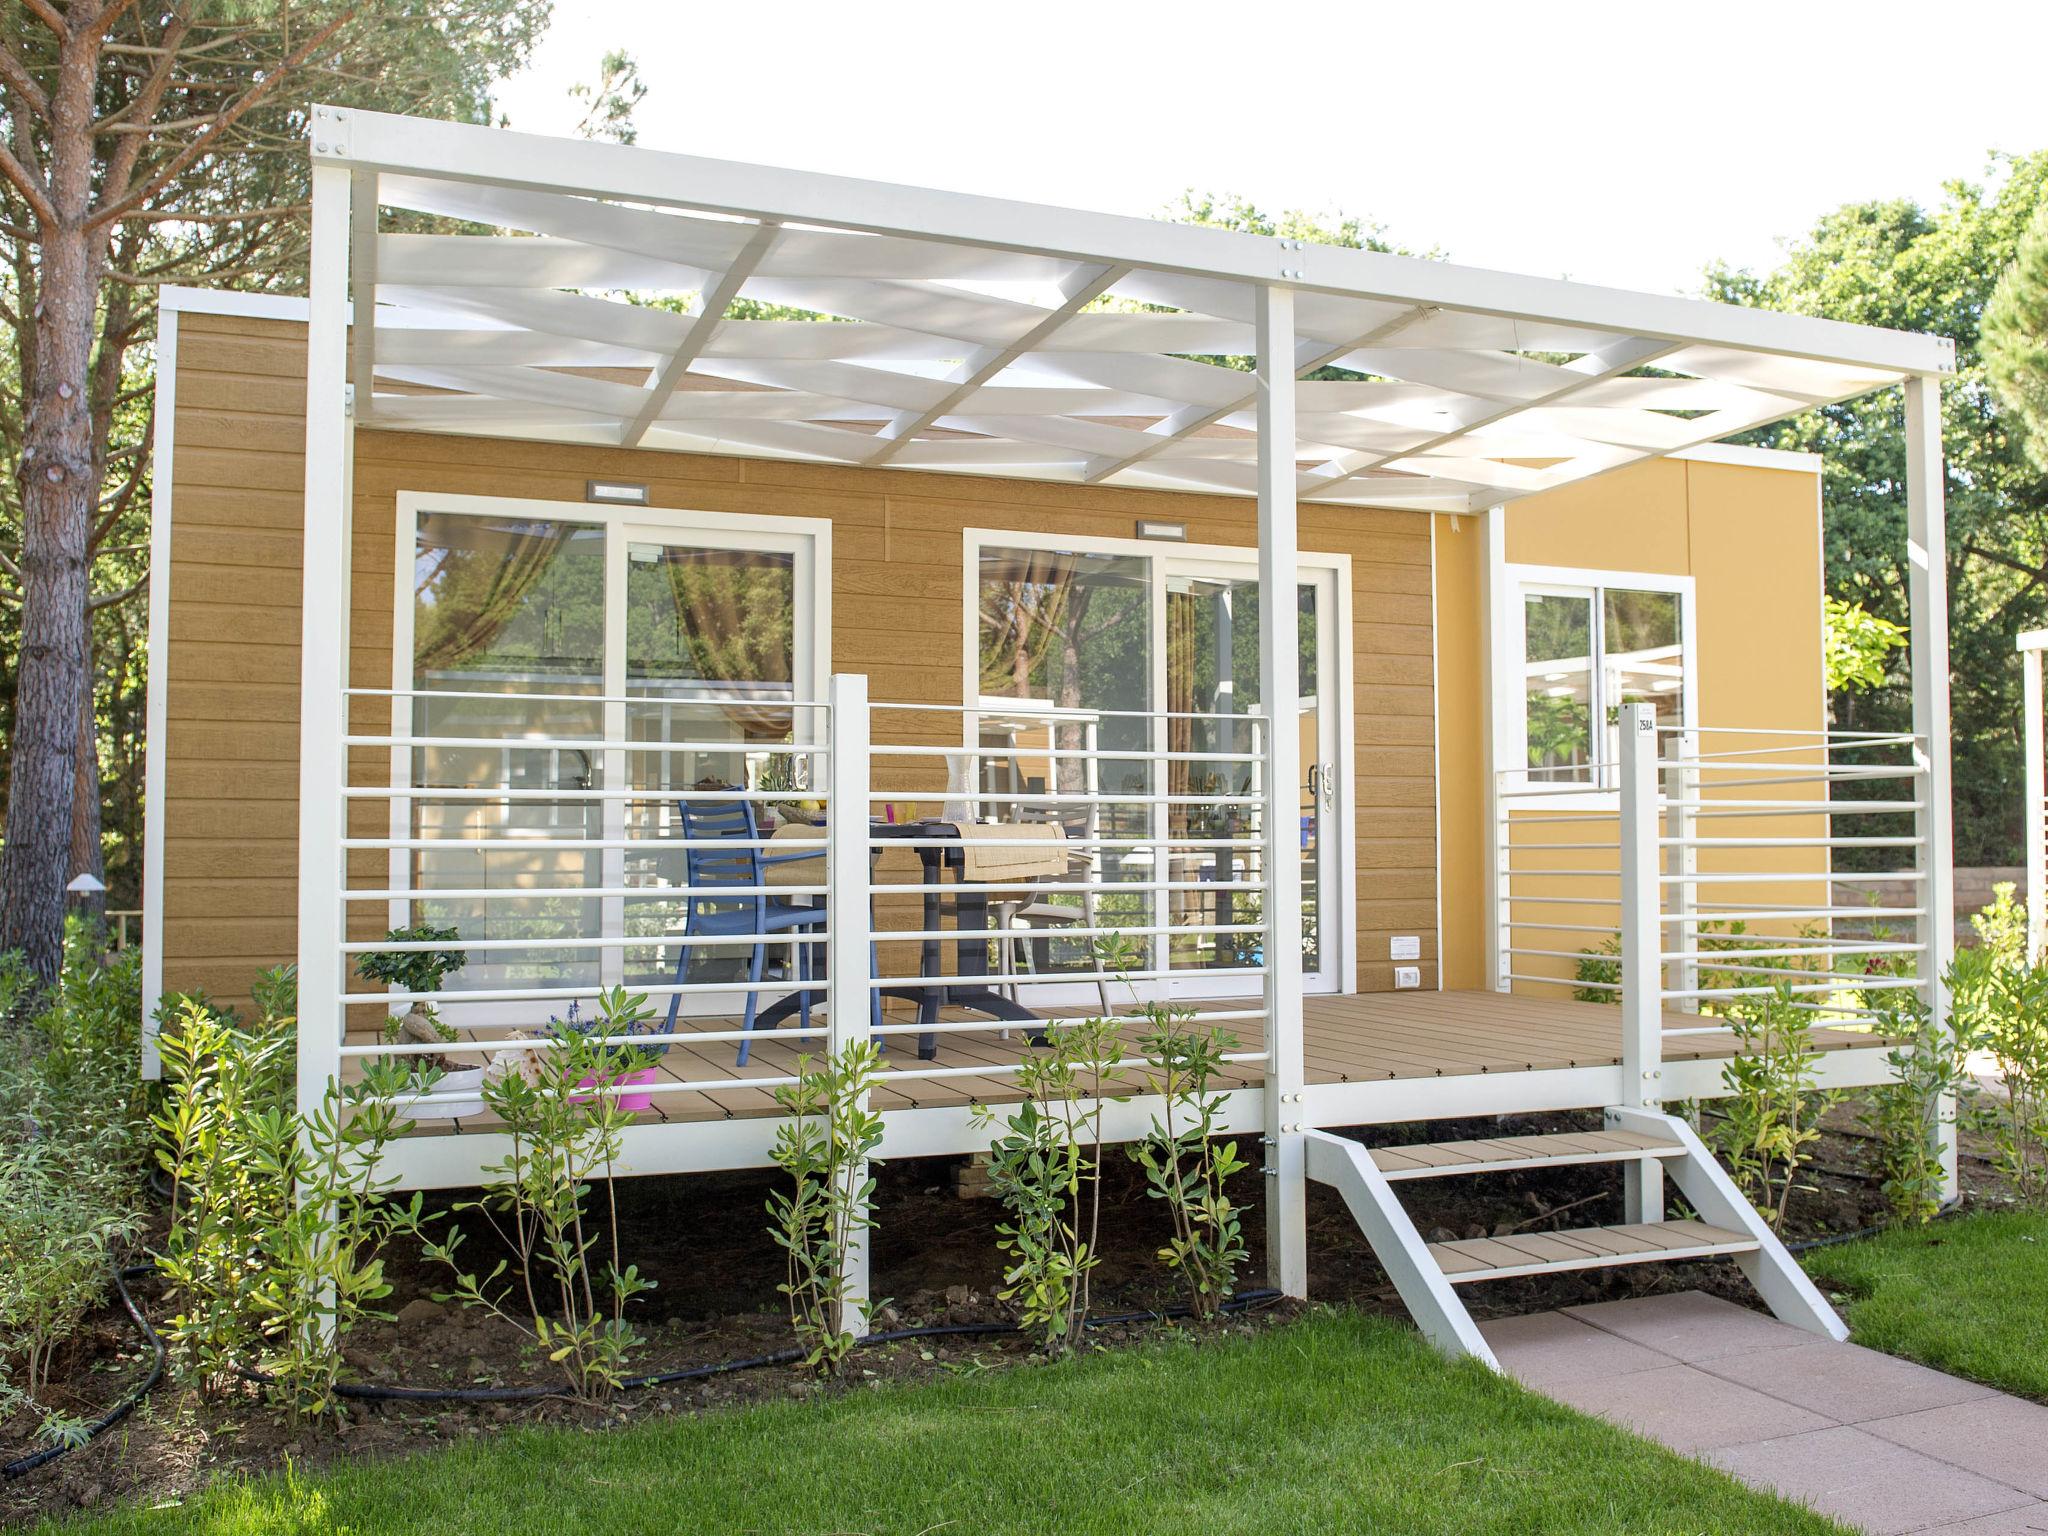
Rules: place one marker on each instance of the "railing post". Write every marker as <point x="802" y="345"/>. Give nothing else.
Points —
<point x="2031" y="644"/>
<point x="1642" y="982"/>
<point x="1286" y="1159"/>
<point x="847" y="936"/>
<point x="1927" y="636"/>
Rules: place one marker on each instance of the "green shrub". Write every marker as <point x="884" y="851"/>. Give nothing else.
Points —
<point x="825" y="1146"/>
<point x="73" y="1147"/>
<point x="1772" y="1112"/>
<point x="559" y="1288"/>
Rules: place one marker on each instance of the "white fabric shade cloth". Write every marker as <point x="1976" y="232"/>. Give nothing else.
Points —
<point x="986" y="857"/>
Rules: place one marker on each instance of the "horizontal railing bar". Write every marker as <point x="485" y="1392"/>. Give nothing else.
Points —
<point x="1721" y="809"/>
<point x="622" y="792"/>
<point x="588" y="893"/>
<point x="1768" y="877"/>
<point x="1720" y="959"/>
<point x="1099" y="797"/>
<point x="1835" y="984"/>
<point x="1831" y="733"/>
<point x="1061" y="754"/>
<point x="579" y="941"/>
<point x="1566" y="819"/>
<point x="1562" y="901"/>
<point x="570" y="994"/>
<point x="1064" y="712"/>
<point x="1560" y="927"/>
<point x="969" y="935"/>
<point x="1558" y="954"/>
<point x="565" y="844"/>
<point x="751" y="701"/>
<point x="1051" y="978"/>
<point x="530" y="1043"/>
<point x="589" y="744"/>
<point x="1758" y="912"/>
<point x="1033" y="1026"/>
<point x="1557" y="847"/>
<point x="1788" y="842"/>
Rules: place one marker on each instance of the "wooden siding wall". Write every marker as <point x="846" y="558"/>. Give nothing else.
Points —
<point x="233" y="679"/>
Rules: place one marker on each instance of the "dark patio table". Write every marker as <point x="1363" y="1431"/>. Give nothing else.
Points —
<point x="970" y="917"/>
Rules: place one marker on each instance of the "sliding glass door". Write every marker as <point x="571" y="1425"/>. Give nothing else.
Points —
<point x="1151" y="656"/>
<point x="552" y="652"/>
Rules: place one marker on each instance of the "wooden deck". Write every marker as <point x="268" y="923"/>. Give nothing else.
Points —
<point x="1372" y="1037"/>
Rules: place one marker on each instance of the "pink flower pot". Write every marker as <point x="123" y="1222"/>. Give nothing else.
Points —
<point x="629" y="1102"/>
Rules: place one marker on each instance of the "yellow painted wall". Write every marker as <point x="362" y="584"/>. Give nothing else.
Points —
<point x="1750" y="539"/>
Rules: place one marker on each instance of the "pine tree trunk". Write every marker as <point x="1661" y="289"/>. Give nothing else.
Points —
<point x="56" y="482"/>
<point x="58" y="493"/>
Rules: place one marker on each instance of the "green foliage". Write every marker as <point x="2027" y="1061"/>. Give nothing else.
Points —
<point x="1186" y="1165"/>
<point x="564" y="1291"/>
<point x="611" y="100"/>
<point x="1894" y="263"/>
<point x="2016" y="337"/>
<point x="414" y="970"/>
<point x="826" y="1146"/>
<point x="1854" y="646"/>
<point x="1773" y="1107"/>
<point x="1046" y="1168"/>
<point x="2001" y="1004"/>
<point x="1930" y="1076"/>
<point x="73" y="1141"/>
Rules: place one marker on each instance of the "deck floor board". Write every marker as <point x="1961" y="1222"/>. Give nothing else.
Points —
<point x="1359" y="1038"/>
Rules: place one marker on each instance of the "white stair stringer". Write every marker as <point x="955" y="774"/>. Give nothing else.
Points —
<point x="1348" y="1167"/>
<point x="1787" y="1291"/>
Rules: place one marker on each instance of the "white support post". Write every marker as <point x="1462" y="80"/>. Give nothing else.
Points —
<point x="323" y="653"/>
<point x="1642" y="980"/>
<point x="1927" y="608"/>
<point x="846" y="931"/>
<point x="2031" y="645"/>
<point x="1279" y="692"/>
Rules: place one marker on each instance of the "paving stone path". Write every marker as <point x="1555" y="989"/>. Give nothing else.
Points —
<point x="1877" y="1442"/>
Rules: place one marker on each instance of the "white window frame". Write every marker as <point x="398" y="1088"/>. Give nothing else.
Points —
<point x="1510" y="703"/>
<point x="1343" y="963"/>
<point x="810" y="538"/>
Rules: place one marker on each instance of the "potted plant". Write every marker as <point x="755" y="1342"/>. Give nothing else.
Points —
<point x="416" y="971"/>
<point x="619" y="1013"/>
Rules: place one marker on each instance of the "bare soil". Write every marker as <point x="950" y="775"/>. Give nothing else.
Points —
<point x="703" y="1239"/>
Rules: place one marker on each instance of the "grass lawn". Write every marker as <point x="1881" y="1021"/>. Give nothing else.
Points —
<point x="1968" y="1295"/>
<point x="1335" y="1423"/>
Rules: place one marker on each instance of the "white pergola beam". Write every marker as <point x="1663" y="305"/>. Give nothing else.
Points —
<point x="1081" y="289"/>
<point x="463" y="152"/>
<point x="708" y="311"/>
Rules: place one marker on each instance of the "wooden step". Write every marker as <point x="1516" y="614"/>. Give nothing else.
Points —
<point x="1507" y="1154"/>
<point x="1537" y="1253"/>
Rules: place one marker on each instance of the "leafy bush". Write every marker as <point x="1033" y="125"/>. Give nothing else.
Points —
<point x="2001" y="1004"/>
<point x="1186" y="1164"/>
<point x="825" y="1146"/>
<point x="1774" y="1106"/>
<point x="276" y="1219"/>
<point x="73" y="1145"/>
<point x="1047" y="1171"/>
<point x="537" y="1202"/>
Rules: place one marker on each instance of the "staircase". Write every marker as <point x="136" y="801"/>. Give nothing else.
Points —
<point x="1647" y="1145"/>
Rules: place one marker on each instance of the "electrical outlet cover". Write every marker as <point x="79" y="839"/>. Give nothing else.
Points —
<point x="1407" y="975"/>
<point x="1404" y="946"/>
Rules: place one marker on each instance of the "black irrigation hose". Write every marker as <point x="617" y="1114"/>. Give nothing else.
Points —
<point x="370" y="1392"/>
<point x="27" y="1464"/>
<point x="1834" y="1239"/>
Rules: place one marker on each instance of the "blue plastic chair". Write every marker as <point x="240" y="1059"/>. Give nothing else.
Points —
<point x="754" y="915"/>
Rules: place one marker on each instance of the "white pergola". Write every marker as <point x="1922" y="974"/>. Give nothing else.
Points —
<point x="954" y="332"/>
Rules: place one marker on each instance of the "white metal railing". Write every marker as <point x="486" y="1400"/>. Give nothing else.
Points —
<point x="1173" y="856"/>
<point x="2035" y="807"/>
<point x="1709" y="865"/>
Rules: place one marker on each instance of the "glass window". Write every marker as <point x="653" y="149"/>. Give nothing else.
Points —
<point x="1558" y="630"/>
<point x="1587" y="652"/>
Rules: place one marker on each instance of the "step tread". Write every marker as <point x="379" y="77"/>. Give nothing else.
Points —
<point x="1479" y="1258"/>
<point x="1425" y="1158"/>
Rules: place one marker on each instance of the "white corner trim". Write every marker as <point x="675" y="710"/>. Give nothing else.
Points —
<point x="1751" y="458"/>
<point x="222" y="301"/>
<point x="156" y="707"/>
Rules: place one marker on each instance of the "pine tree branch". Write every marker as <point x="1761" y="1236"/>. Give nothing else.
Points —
<point x="15" y="76"/>
<point x="49" y="16"/>
<point x="165" y="174"/>
<point x="17" y="174"/>
<point x="114" y="599"/>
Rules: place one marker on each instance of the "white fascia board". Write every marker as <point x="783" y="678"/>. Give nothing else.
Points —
<point x="1751" y="458"/>
<point x="464" y="152"/>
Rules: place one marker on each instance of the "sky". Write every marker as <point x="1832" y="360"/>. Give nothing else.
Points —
<point x="1627" y="144"/>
